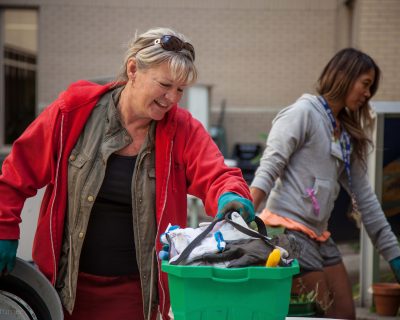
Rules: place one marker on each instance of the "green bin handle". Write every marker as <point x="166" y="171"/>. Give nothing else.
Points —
<point x="229" y="280"/>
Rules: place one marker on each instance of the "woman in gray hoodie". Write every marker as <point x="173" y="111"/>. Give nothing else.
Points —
<point x="315" y="146"/>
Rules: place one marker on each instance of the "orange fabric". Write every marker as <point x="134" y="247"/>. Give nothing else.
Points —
<point x="274" y="220"/>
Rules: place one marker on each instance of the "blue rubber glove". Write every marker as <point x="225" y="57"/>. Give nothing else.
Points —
<point x="230" y="201"/>
<point x="395" y="265"/>
<point x="8" y="252"/>
<point x="164" y="252"/>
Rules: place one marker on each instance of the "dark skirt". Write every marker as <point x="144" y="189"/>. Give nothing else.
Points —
<point x="107" y="298"/>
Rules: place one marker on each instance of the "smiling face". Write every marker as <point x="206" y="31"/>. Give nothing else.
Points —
<point x="360" y="92"/>
<point x="152" y="92"/>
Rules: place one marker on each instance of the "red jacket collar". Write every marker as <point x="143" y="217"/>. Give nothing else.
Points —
<point x="83" y="92"/>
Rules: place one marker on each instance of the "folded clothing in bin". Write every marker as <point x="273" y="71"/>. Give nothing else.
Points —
<point x="227" y="242"/>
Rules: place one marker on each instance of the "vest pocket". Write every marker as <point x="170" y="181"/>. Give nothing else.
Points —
<point x="76" y="168"/>
<point x="77" y="160"/>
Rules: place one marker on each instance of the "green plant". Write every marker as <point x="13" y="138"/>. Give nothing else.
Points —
<point x="356" y="291"/>
<point x="355" y="246"/>
<point x="387" y="276"/>
<point x="303" y="303"/>
<point x="322" y="301"/>
<point x="305" y="297"/>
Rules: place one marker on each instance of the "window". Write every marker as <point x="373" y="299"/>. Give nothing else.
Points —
<point x="18" y="72"/>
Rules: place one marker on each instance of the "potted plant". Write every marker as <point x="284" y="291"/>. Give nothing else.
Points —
<point x="303" y="304"/>
<point x="386" y="298"/>
<point x="306" y="303"/>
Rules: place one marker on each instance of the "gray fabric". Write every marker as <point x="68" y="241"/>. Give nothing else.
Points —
<point x="103" y="135"/>
<point x="314" y="255"/>
<point x="239" y="253"/>
<point x="300" y="154"/>
<point x="250" y="252"/>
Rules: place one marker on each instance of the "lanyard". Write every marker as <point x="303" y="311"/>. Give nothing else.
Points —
<point x="345" y="147"/>
<point x="345" y="143"/>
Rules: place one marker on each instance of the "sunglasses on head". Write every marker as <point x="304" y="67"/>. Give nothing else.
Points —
<point x="172" y="43"/>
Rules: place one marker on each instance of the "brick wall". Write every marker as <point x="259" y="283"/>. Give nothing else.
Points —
<point x="262" y="53"/>
<point x="243" y="126"/>
<point x="377" y="32"/>
<point x="259" y="55"/>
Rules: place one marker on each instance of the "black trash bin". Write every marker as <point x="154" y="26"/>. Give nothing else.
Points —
<point x="246" y="155"/>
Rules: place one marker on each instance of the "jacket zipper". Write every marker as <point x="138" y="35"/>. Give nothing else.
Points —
<point x="158" y="227"/>
<point x="70" y="266"/>
<point x="54" y="200"/>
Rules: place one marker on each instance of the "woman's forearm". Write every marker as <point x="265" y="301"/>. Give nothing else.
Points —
<point x="258" y="196"/>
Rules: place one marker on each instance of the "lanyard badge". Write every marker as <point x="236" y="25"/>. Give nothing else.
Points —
<point x="345" y="146"/>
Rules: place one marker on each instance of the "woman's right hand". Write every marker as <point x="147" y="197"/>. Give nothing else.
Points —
<point x="230" y="201"/>
<point x="8" y="253"/>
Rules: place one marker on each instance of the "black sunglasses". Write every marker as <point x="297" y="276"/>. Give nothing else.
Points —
<point x="172" y="43"/>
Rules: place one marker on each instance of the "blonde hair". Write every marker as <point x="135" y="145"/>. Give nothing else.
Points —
<point x="148" y="55"/>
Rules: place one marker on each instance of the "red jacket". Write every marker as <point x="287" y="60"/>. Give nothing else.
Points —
<point x="187" y="161"/>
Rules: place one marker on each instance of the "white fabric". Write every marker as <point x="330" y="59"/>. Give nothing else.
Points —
<point x="179" y="239"/>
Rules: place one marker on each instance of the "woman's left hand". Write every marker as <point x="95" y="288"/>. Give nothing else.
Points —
<point x="395" y="265"/>
<point x="230" y="201"/>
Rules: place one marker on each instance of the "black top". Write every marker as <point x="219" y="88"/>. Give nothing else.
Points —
<point x="109" y="247"/>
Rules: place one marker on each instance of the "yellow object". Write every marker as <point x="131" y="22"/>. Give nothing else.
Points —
<point x="273" y="258"/>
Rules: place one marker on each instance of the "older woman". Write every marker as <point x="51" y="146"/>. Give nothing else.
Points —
<point x="118" y="161"/>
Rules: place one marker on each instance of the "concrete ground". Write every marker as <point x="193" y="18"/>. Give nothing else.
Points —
<point x="365" y="314"/>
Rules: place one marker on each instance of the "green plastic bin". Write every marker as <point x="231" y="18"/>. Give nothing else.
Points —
<point x="211" y="293"/>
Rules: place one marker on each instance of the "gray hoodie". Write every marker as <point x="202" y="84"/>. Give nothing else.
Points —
<point x="300" y="155"/>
